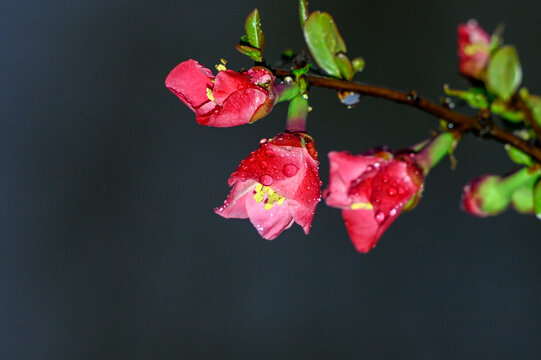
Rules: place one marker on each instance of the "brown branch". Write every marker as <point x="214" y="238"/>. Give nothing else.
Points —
<point x="521" y="105"/>
<point x="463" y="122"/>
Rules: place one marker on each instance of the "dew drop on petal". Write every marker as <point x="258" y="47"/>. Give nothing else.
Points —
<point x="391" y="191"/>
<point x="263" y="164"/>
<point x="266" y="180"/>
<point x="263" y="141"/>
<point x="392" y="212"/>
<point x="380" y="216"/>
<point x="269" y="153"/>
<point x="290" y="170"/>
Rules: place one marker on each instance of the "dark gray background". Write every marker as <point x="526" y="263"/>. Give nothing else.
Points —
<point x="109" y="248"/>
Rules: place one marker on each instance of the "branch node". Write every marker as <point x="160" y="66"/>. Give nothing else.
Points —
<point x="413" y="97"/>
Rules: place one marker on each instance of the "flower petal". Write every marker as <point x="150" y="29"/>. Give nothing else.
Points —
<point x="189" y="81"/>
<point x="227" y="82"/>
<point x="238" y="108"/>
<point x="269" y="223"/>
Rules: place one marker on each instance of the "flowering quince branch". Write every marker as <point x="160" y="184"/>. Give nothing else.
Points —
<point x="278" y="184"/>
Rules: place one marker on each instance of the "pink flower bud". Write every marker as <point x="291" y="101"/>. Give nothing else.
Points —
<point x="473" y="49"/>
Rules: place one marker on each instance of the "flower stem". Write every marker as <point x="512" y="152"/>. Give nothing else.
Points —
<point x="297" y="113"/>
<point x="463" y="123"/>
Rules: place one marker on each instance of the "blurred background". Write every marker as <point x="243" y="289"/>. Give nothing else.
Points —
<point x="109" y="246"/>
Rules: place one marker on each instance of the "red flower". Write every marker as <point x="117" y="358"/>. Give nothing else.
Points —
<point x="371" y="189"/>
<point x="229" y="99"/>
<point x="278" y="184"/>
<point x="473" y="49"/>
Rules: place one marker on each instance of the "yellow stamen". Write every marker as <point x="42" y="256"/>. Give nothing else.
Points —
<point x="224" y="61"/>
<point x="272" y="196"/>
<point x="361" y="205"/>
<point x="209" y="94"/>
<point x="471" y="49"/>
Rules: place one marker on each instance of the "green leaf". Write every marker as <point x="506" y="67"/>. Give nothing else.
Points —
<point x="303" y="11"/>
<point x="253" y="53"/>
<point x="345" y="67"/>
<point x="504" y="72"/>
<point x="537" y="199"/>
<point x="324" y="41"/>
<point x="518" y="156"/>
<point x="255" y="35"/>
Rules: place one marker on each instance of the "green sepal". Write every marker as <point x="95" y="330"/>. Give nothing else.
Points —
<point x="252" y="53"/>
<point x="324" y="41"/>
<point x="495" y="198"/>
<point x="518" y="156"/>
<point x="254" y="33"/>
<point x="344" y="65"/>
<point x="475" y="97"/>
<point x="522" y="199"/>
<point x="537" y="199"/>
<point x="504" y="72"/>
<point x="303" y="11"/>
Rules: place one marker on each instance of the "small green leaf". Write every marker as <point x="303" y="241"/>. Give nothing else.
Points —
<point x="504" y="72"/>
<point x="324" y="41"/>
<point x="345" y="67"/>
<point x="303" y="11"/>
<point x="474" y="97"/>
<point x="255" y="35"/>
<point x="499" y="107"/>
<point x="518" y="156"/>
<point x="537" y="200"/>
<point x="253" y="53"/>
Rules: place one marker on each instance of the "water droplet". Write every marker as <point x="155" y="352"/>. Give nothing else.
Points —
<point x="290" y="170"/>
<point x="377" y="165"/>
<point x="263" y="141"/>
<point x="391" y="191"/>
<point x="349" y="98"/>
<point x="392" y="212"/>
<point x="380" y="216"/>
<point x="252" y="159"/>
<point x="263" y="164"/>
<point x="282" y="155"/>
<point x="269" y="153"/>
<point x="266" y="180"/>
<point x="369" y="168"/>
<point x="385" y="179"/>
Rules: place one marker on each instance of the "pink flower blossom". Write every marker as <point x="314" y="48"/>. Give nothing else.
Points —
<point x="227" y="99"/>
<point x="277" y="185"/>
<point x="473" y="49"/>
<point x="371" y="189"/>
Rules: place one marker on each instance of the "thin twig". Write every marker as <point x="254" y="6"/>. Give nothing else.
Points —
<point x="463" y="122"/>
